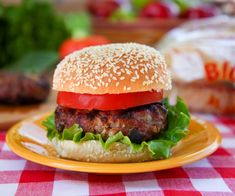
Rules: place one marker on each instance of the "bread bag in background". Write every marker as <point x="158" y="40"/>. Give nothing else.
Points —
<point x="201" y="55"/>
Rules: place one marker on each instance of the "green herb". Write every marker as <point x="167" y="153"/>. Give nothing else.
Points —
<point x="30" y="26"/>
<point x="160" y="148"/>
<point x="123" y="15"/>
<point x="140" y="4"/>
<point x="185" y="4"/>
<point x="78" y="24"/>
<point x="35" y="62"/>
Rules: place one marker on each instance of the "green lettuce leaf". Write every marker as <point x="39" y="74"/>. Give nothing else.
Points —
<point x="178" y="119"/>
<point x="49" y="123"/>
<point x="177" y="128"/>
<point x="160" y="148"/>
<point x="70" y="133"/>
<point x="114" y="138"/>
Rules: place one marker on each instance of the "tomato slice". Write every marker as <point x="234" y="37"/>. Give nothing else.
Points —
<point x="107" y="101"/>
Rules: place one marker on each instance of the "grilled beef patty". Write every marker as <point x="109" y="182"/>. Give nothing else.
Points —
<point x="17" y="89"/>
<point x="141" y="123"/>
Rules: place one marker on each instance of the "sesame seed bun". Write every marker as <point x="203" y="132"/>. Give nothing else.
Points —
<point x="92" y="151"/>
<point x="112" y="69"/>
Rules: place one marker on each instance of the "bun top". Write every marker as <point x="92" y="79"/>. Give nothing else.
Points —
<point x="112" y="69"/>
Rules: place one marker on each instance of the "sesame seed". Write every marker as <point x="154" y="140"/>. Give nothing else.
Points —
<point x="99" y="66"/>
<point x="133" y="79"/>
<point x="142" y="71"/>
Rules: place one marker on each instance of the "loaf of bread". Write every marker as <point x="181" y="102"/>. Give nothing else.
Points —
<point x="200" y="55"/>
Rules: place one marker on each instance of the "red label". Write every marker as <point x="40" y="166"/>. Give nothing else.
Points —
<point x="216" y="72"/>
<point x="214" y="101"/>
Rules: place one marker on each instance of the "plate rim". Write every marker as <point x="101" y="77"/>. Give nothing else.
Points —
<point x="117" y="168"/>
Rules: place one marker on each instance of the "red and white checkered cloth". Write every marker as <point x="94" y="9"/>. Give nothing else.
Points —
<point x="214" y="175"/>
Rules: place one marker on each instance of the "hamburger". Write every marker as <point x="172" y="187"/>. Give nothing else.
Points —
<point x="111" y="106"/>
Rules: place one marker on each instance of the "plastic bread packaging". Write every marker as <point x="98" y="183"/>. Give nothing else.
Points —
<point x="201" y="56"/>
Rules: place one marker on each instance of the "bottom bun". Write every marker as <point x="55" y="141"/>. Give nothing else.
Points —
<point x="92" y="151"/>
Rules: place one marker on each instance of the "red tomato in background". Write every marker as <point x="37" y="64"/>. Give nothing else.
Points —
<point x="159" y="10"/>
<point x="102" y="8"/>
<point x="107" y="101"/>
<point x="71" y="45"/>
<point x="203" y="11"/>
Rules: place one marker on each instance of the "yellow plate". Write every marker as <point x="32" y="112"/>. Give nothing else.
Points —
<point x="202" y="140"/>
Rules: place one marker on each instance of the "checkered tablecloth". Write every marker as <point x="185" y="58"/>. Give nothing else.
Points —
<point x="214" y="175"/>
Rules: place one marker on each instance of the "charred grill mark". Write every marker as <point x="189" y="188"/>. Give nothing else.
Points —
<point x="91" y="115"/>
<point x="104" y="119"/>
<point x="60" y="127"/>
<point x="135" y="136"/>
<point x="126" y="114"/>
